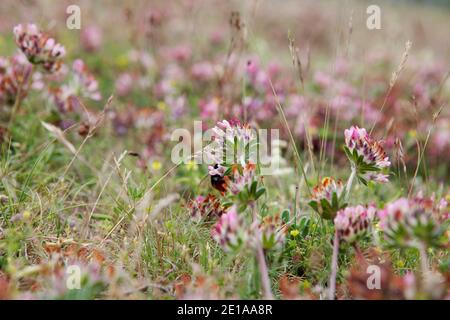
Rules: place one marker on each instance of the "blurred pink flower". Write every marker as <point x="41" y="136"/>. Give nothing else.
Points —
<point x="203" y="71"/>
<point x="85" y="80"/>
<point x="91" y="38"/>
<point x="180" y="53"/>
<point x="272" y="232"/>
<point x="39" y="48"/>
<point x="273" y="69"/>
<point x="81" y="84"/>
<point x="216" y="37"/>
<point x="352" y="222"/>
<point x="124" y="84"/>
<point x="252" y="67"/>
<point x="324" y="80"/>
<point x="177" y="105"/>
<point x="405" y="221"/>
<point x="295" y="104"/>
<point x="15" y="73"/>
<point x="229" y="232"/>
<point x="209" y="109"/>
<point x="342" y="66"/>
<point x="143" y="58"/>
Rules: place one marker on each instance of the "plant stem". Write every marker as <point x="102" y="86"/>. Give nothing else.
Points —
<point x="262" y="265"/>
<point x="18" y="100"/>
<point x="15" y="107"/>
<point x="261" y="259"/>
<point x="423" y="259"/>
<point x="295" y="206"/>
<point x="348" y="187"/>
<point x="334" y="267"/>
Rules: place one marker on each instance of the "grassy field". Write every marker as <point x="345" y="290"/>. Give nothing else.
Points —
<point x="93" y="206"/>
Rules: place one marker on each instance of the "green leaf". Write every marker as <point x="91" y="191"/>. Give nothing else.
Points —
<point x="253" y="188"/>
<point x="100" y="216"/>
<point x="285" y="215"/>
<point x="348" y="153"/>
<point x="314" y="205"/>
<point x="362" y="180"/>
<point x="334" y="202"/>
<point x="328" y="212"/>
<point x="260" y="192"/>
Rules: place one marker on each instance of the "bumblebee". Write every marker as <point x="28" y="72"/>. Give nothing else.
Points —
<point x="218" y="181"/>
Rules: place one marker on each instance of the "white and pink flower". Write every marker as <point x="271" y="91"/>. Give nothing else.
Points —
<point x="408" y="221"/>
<point x="38" y="47"/>
<point x="229" y="232"/>
<point x="353" y="222"/>
<point x="367" y="155"/>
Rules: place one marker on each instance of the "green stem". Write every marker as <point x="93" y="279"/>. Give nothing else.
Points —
<point x="348" y="187"/>
<point x="18" y="101"/>
<point x="334" y="267"/>
<point x="295" y="205"/>
<point x="262" y="264"/>
<point x="423" y="259"/>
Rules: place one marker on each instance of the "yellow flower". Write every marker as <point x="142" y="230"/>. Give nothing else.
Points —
<point x="377" y="226"/>
<point x="122" y="61"/>
<point x="400" y="263"/>
<point x="26" y="215"/>
<point x="161" y="105"/>
<point x="306" y="284"/>
<point x="191" y="165"/>
<point x="173" y="84"/>
<point x="295" y="233"/>
<point x="156" y="165"/>
<point x="378" y="250"/>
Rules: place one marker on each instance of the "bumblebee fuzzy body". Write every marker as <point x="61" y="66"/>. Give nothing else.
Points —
<point x="218" y="182"/>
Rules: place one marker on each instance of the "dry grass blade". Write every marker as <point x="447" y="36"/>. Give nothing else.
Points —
<point x="59" y="135"/>
<point x="421" y="151"/>
<point x="294" y="146"/>
<point x="394" y="78"/>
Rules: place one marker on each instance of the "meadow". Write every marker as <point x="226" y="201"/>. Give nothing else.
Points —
<point x="95" y="205"/>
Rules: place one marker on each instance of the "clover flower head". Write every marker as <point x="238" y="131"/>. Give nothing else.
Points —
<point x="84" y="81"/>
<point x="91" y="38"/>
<point x="81" y="84"/>
<point x="439" y="209"/>
<point x="272" y="232"/>
<point x="366" y="154"/>
<point x="352" y="222"/>
<point x="203" y="71"/>
<point x="38" y="47"/>
<point x="205" y="207"/>
<point x="326" y="188"/>
<point x="229" y="232"/>
<point x="124" y="84"/>
<point x="406" y="222"/>
<point x="15" y="73"/>
<point x="239" y="181"/>
<point x="232" y="143"/>
<point x="326" y="197"/>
